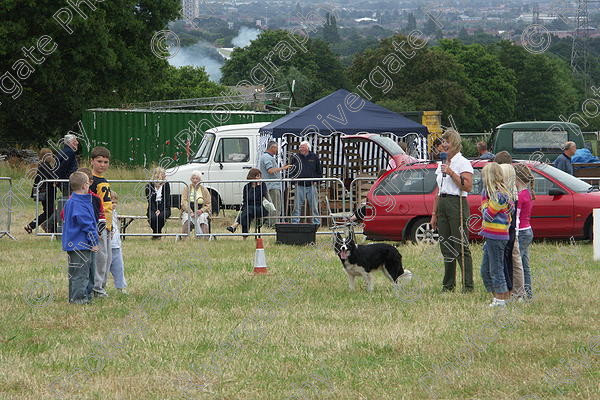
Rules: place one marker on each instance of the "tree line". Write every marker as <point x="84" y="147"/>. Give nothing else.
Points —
<point x="107" y="61"/>
<point x="480" y="86"/>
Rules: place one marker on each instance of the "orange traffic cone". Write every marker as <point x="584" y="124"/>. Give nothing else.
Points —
<point x="260" y="260"/>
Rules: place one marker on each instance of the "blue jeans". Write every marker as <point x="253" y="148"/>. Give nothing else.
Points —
<point x="80" y="263"/>
<point x="90" y="285"/>
<point x="117" y="270"/>
<point x="525" y="239"/>
<point x="308" y="193"/>
<point x="492" y="266"/>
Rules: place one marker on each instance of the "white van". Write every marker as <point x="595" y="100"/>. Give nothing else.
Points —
<point x="225" y="153"/>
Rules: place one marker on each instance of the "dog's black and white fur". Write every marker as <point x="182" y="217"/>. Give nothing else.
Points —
<point x="362" y="260"/>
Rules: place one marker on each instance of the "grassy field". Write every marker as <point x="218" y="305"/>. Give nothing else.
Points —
<point x="198" y="325"/>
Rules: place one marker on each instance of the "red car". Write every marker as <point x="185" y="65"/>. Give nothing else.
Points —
<point x="400" y="202"/>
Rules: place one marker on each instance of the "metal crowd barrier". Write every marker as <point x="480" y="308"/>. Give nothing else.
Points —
<point x="590" y="179"/>
<point x="332" y="188"/>
<point x="7" y="198"/>
<point x="133" y="205"/>
<point x="359" y="187"/>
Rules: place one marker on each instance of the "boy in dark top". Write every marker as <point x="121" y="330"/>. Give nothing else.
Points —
<point x="100" y="161"/>
<point x="79" y="237"/>
<point x="96" y="202"/>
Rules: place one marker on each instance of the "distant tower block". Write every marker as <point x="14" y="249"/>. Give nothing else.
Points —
<point x="536" y="14"/>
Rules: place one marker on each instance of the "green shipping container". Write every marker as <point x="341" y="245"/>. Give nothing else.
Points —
<point x="143" y="137"/>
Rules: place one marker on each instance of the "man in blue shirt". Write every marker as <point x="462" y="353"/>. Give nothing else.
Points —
<point x="306" y="165"/>
<point x="269" y="169"/>
<point x="484" y="154"/>
<point x="563" y="162"/>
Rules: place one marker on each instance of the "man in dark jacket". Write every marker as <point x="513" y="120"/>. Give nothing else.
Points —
<point x="67" y="163"/>
<point x="563" y="162"/>
<point x="306" y="164"/>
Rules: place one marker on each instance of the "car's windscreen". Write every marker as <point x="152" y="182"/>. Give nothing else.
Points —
<point x="407" y="181"/>
<point x="575" y="184"/>
<point x="205" y="147"/>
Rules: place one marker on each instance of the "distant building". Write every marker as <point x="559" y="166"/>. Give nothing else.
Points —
<point x="529" y="18"/>
<point x="365" y="19"/>
<point x="225" y="52"/>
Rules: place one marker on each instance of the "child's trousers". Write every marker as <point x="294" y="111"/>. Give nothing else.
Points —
<point x="103" y="261"/>
<point x="117" y="270"/>
<point x="80" y="264"/>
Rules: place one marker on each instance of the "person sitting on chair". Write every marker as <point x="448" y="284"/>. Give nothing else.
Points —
<point x="195" y="205"/>
<point x="252" y="203"/>
<point x="158" y="194"/>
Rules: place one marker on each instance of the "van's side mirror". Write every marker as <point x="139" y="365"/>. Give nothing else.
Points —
<point x="556" y="192"/>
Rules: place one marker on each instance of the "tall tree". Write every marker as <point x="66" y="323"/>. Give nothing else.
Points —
<point x="100" y="60"/>
<point x="430" y="26"/>
<point x="431" y="79"/>
<point x="488" y="81"/>
<point x="269" y="59"/>
<point x="412" y="22"/>
<point x="185" y="83"/>
<point x="330" y="30"/>
<point x="545" y="86"/>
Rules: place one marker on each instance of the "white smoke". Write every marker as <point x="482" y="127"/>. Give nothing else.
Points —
<point x="200" y="54"/>
<point x="245" y="36"/>
<point x="203" y="54"/>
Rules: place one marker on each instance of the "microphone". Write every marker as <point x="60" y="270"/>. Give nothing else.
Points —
<point x="444" y="158"/>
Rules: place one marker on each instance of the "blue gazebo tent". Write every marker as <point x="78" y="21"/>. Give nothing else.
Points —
<point x="336" y="113"/>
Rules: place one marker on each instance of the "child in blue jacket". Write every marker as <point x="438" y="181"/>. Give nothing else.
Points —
<point x="79" y="237"/>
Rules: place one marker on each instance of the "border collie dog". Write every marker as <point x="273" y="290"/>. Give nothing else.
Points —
<point x="362" y="260"/>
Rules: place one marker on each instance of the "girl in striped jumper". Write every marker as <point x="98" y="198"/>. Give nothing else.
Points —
<point x="496" y="204"/>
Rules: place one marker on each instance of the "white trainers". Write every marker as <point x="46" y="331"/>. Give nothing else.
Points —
<point x="498" y="303"/>
<point x="122" y="291"/>
<point x="100" y="293"/>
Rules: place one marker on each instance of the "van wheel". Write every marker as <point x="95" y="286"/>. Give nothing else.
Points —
<point x="421" y="232"/>
<point x="216" y="202"/>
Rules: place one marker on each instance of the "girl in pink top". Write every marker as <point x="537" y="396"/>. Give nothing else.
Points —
<point x="525" y="181"/>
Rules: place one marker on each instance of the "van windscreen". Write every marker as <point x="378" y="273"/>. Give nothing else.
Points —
<point x="205" y="147"/>
<point x="550" y="141"/>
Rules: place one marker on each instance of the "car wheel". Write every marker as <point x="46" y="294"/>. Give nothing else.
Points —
<point x="422" y="232"/>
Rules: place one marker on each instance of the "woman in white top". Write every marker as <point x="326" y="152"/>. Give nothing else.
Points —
<point x="455" y="181"/>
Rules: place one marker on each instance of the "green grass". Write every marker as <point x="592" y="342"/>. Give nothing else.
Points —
<point x="197" y="324"/>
